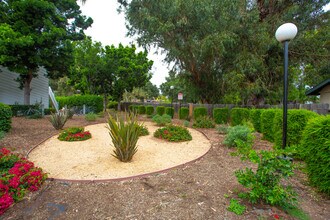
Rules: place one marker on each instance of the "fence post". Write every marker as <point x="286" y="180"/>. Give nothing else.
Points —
<point x="84" y="109"/>
<point x="191" y="109"/>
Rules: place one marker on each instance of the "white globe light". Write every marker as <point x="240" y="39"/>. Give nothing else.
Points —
<point x="171" y="87"/>
<point x="286" y="32"/>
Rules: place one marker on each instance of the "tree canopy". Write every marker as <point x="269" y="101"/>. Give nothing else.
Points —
<point x="37" y="33"/>
<point x="227" y="49"/>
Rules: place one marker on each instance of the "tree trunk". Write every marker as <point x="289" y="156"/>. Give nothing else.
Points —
<point x="27" y="88"/>
<point x="104" y="102"/>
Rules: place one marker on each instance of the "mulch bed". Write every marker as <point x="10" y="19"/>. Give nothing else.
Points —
<point x="196" y="191"/>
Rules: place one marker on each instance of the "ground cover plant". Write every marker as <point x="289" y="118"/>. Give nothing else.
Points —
<point x="91" y="116"/>
<point x="18" y="176"/>
<point x="124" y="135"/>
<point x="74" y="134"/>
<point x="204" y="122"/>
<point x="162" y="120"/>
<point x="173" y="133"/>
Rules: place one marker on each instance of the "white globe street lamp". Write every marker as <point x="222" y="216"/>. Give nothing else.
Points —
<point x="284" y="34"/>
<point x="172" y="97"/>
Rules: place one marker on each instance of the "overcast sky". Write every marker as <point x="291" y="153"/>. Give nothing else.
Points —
<point x="109" y="28"/>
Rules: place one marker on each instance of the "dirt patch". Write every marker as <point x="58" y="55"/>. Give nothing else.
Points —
<point x="196" y="191"/>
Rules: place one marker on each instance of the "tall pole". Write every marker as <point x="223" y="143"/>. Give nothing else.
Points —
<point x="285" y="93"/>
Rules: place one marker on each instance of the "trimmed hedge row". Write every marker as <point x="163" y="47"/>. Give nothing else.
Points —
<point x="169" y="111"/>
<point x="221" y="115"/>
<point x="150" y="110"/>
<point x="93" y="101"/>
<point x="184" y="113"/>
<point x="160" y="110"/>
<point x="239" y="116"/>
<point x="267" y="123"/>
<point x="255" y="118"/>
<point x="5" y="117"/>
<point x="199" y="112"/>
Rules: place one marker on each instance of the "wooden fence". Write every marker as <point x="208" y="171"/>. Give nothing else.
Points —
<point x="318" y="108"/>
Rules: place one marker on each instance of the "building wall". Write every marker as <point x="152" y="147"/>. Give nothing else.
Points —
<point x="325" y="95"/>
<point x="10" y="93"/>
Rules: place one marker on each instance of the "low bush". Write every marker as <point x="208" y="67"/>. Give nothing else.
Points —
<point x="169" y="111"/>
<point x="296" y="122"/>
<point x="141" y="109"/>
<point x="150" y="110"/>
<point x="20" y="110"/>
<point x="160" y="110"/>
<point x="173" y="133"/>
<point x="112" y="105"/>
<point x="124" y="135"/>
<point x="186" y="123"/>
<point x="91" y="116"/>
<point x="162" y="120"/>
<point x="5" y="117"/>
<point x="94" y="102"/>
<point x="74" y="134"/>
<point x="315" y="150"/>
<point x="237" y="134"/>
<point x="222" y="129"/>
<point x="58" y="120"/>
<point x="239" y="115"/>
<point x="204" y="122"/>
<point x="199" y="112"/>
<point x="143" y="130"/>
<point x="184" y="113"/>
<point x="255" y="118"/>
<point x="267" y="123"/>
<point x="221" y="115"/>
<point x="18" y="176"/>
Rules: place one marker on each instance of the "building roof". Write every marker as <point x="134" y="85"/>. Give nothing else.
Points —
<point x="316" y="89"/>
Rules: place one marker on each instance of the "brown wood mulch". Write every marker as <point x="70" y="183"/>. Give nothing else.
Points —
<point x="201" y="190"/>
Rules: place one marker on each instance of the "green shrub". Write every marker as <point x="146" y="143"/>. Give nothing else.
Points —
<point x="74" y="134"/>
<point x="48" y="111"/>
<point x="199" y="111"/>
<point x="186" y="123"/>
<point x="221" y="115"/>
<point x="315" y="149"/>
<point x="173" y="133"/>
<point x="296" y="122"/>
<point x="184" y="113"/>
<point x="142" y="109"/>
<point x="2" y="134"/>
<point x="222" y="129"/>
<point x="150" y="110"/>
<point x="236" y="207"/>
<point x="112" y="105"/>
<point x="58" y="120"/>
<point x="239" y="133"/>
<point x="204" y="122"/>
<point x="92" y="101"/>
<point x="255" y="118"/>
<point x="124" y="135"/>
<point x="5" y="117"/>
<point x="160" y="110"/>
<point x="91" y="116"/>
<point x="267" y="123"/>
<point x="265" y="184"/>
<point x="143" y="130"/>
<point x="162" y="120"/>
<point x="169" y="111"/>
<point x="20" y="110"/>
<point x="239" y="115"/>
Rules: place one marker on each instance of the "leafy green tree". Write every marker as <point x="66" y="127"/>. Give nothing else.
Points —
<point x="37" y="33"/>
<point x="151" y="90"/>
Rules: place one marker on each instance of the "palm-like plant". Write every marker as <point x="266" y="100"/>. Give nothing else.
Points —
<point x="124" y="135"/>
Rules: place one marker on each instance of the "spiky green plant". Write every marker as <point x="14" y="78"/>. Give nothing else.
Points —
<point x="124" y="135"/>
<point x="58" y="120"/>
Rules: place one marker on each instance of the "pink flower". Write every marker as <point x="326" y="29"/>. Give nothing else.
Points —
<point x="5" y="202"/>
<point x="4" y="151"/>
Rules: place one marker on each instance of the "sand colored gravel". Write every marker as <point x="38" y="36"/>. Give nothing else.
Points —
<point x="92" y="160"/>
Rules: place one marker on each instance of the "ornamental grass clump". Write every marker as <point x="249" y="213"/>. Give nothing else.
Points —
<point x="124" y="135"/>
<point x="18" y="176"/>
<point x="173" y="133"/>
<point x="74" y="134"/>
<point x="58" y="120"/>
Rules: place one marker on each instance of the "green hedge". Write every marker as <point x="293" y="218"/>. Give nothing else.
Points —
<point x="112" y="105"/>
<point x="142" y="109"/>
<point x="19" y="110"/>
<point x="169" y="111"/>
<point x="255" y="118"/>
<point x="93" y="101"/>
<point x="239" y="115"/>
<point x="315" y="149"/>
<point x="267" y="123"/>
<point x="160" y="110"/>
<point x="150" y="110"/>
<point x="296" y="122"/>
<point x="5" y="117"/>
<point x="199" y="112"/>
<point x="184" y="113"/>
<point x="221" y="115"/>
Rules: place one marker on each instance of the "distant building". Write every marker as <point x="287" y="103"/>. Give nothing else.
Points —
<point x="323" y="90"/>
<point x="10" y="93"/>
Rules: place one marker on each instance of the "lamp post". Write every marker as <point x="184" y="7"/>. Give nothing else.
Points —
<point x="172" y="87"/>
<point x="284" y="34"/>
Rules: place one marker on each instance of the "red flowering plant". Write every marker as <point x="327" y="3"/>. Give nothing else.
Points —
<point x="173" y="133"/>
<point x="17" y="176"/>
<point x="74" y="134"/>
